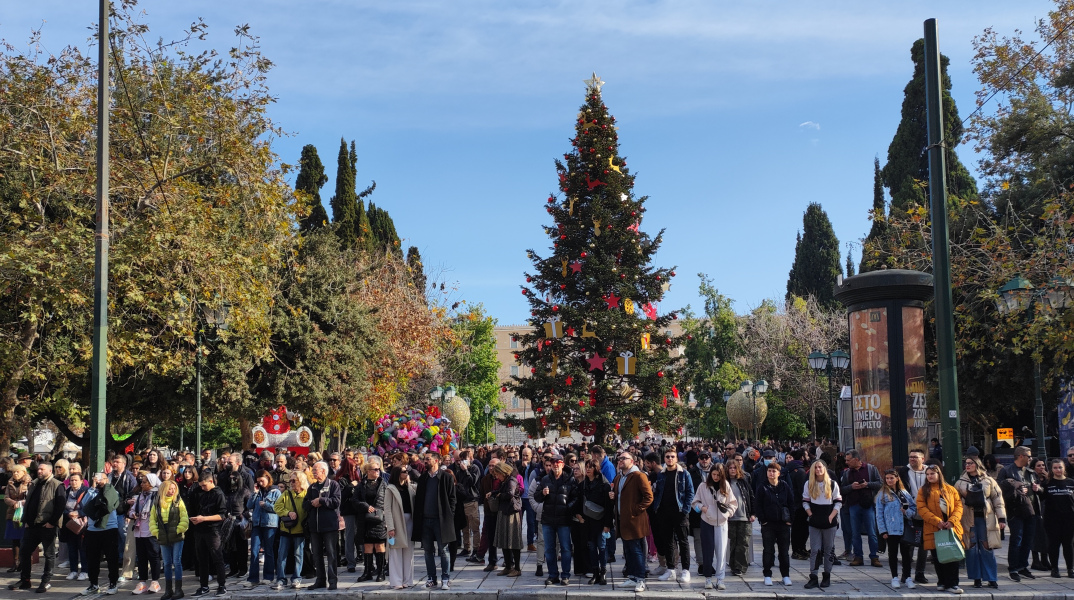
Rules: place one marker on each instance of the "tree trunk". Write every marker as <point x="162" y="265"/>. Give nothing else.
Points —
<point x="57" y="446"/>
<point x="247" y="434"/>
<point x="9" y="398"/>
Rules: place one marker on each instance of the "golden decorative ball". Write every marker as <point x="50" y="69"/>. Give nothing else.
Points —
<point x="457" y="412"/>
<point x="740" y="410"/>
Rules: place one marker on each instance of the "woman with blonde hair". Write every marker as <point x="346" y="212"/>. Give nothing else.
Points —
<point x="292" y="541"/>
<point x="168" y="523"/>
<point x="822" y="501"/>
<point x="940" y="507"/>
<point x="14" y="498"/>
<point x="983" y="518"/>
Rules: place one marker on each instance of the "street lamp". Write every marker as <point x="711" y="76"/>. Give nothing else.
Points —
<point x="1018" y="295"/>
<point x="488" y="410"/>
<point x="726" y="417"/>
<point x="211" y="317"/>
<point x="754" y="390"/>
<point x="829" y="363"/>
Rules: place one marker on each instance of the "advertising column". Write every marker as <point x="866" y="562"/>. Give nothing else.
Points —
<point x="913" y="345"/>
<point x="871" y="383"/>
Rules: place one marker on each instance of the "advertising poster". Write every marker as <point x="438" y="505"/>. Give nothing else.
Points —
<point x="1066" y="415"/>
<point x="913" y="341"/>
<point x="870" y="372"/>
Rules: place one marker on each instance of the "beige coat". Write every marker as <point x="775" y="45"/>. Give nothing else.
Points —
<point x="994" y="510"/>
<point x="394" y="517"/>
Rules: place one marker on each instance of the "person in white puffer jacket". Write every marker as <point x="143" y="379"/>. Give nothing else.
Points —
<point x="716" y="503"/>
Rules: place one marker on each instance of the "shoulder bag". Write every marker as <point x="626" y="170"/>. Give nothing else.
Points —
<point x="78" y="524"/>
<point x="286" y="520"/>
<point x="593" y="510"/>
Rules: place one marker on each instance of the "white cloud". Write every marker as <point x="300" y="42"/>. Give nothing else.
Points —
<point x="810" y="125"/>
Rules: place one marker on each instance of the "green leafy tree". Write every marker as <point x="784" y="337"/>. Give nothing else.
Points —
<point x="469" y="362"/>
<point x="907" y="168"/>
<point x="310" y="180"/>
<point x="598" y="265"/>
<point x="816" y="259"/>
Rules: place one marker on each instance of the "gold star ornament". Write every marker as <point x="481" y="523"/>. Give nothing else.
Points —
<point x="593" y="84"/>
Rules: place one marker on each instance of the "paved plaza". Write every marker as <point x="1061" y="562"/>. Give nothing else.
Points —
<point x="471" y="582"/>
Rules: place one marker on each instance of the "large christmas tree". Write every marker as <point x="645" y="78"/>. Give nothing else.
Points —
<point x="601" y="358"/>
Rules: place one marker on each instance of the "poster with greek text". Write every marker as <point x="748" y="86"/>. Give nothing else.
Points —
<point x="913" y="343"/>
<point x="871" y="385"/>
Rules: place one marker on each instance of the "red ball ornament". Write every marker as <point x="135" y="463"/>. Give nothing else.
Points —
<point x="555" y="308"/>
<point x="609" y="226"/>
<point x="551" y="199"/>
<point x="622" y="276"/>
<point x="503" y="389"/>
<point x="548" y="342"/>
<point x="563" y="237"/>
<point x="516" y="357"/>
<point x="524" y="292"/>
<point x="608" y="349"/>
<point x="594" y="121"/>
<point x="668" y="341"/>
<point x="689" y="337"/>
<point x="659" y="373"/>
<point x="527" y="279"/>
<point x="674" y="316"/>
<point x="605" y="171"/>
<point x="549" y="209"/>
<point x="672" y="273"/>
<point x="562" y="286"/>
<point x="617" y="425"/>
<point x="658" y="278"/>
<point x="633" y="213"/>
<point x="583" y="255"/>
<point x="532" y="371"/>
<point x="581" y="403"/>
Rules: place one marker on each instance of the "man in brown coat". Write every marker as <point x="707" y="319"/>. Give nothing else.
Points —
<point x="633" y="495"/>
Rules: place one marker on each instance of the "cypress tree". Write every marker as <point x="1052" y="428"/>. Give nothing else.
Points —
<point x="311" y="179"/>
<point x="907" y="170"/>
<point x="344" y="203"/>
<point x="816" y="259"/>
<point x="879" y="230"/>
<point x="416" y="269"/>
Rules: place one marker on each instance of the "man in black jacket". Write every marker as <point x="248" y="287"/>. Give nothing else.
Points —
<point x="322" y="518"/>
<point x="796" y="475"/>
<point x="467" y="476"/>
<point x="205" y="520"/>
<point x="557" y="491"/>
<point x="773" y="507"/>
<point x="45" y="499"/>
<point x="434" y="518"/>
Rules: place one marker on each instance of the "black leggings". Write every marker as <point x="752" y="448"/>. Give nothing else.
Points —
<point x="1060" y="533"/>
<point x="895" y="546"/>
<point x="512" y="559"/>
<point x="946" y="574"/>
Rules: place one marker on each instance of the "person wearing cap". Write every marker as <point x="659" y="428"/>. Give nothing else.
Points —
<point x="672" y="495"/>
<point x="558" y="491"/>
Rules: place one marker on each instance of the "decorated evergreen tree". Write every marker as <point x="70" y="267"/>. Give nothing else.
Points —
<point x="816" y="259"/>
<point x="601" y="358"/>
<point x="311" y="179"/>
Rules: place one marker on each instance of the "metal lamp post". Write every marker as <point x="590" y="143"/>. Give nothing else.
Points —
<point x="1018" y="295"/>
<point x="488" y="411"/>
<point x="829" y="363"/>
<point x="754" y="390"/>
<point x="217" y="318"/>
<point x="726" y="417"/>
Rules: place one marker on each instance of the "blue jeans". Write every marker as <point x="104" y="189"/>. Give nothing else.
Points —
<point x="980" y="560"/>
<point x="263" y="538"/>
<point x="1022" y="531"/>
<point x="563" y="532"/>
<point x="172" y="555"/>
<point x="121" y="522"/>
<point x="863" y="520"/>
<point x="634" y="555"/>
<point x="531" y="522"/>
<point x="76" y="553"/>
<point x="430" y="534"/>
<point x="290" y="544"/>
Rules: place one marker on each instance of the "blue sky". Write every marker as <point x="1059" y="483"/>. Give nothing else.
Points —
<point x="734" y="115"/>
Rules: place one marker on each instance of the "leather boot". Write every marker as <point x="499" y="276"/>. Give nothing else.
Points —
<point x="380" y="566"/>
<point x="601" y="577"/>
<point x="167" y="590"/>
<point x="367" y="574"/>
<point x="178" y="590"/>
<point x="825" y="580"/>
<point x="812" y="583"/>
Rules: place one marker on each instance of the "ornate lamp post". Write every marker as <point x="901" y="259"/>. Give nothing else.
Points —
<point x="726" y="417"/>
<point x="1019" y="296"/>
<point x="829" y="363"/>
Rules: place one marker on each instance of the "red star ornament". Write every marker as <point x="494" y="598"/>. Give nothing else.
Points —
<point x="576" y="266"/>
<point x="612" y="300"/>
<point x="570" y="332"/>
<point x="596" y="362"/>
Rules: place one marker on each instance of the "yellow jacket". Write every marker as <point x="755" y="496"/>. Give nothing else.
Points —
<point x="175" y="523"/>
<point x="288" y="502"/>
<point x="932" y="515"/>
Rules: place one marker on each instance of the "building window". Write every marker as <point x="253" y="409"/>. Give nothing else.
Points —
<point x="514" y="343"/>
<point x="514" y="370"/>
<point x="514" y="401"/>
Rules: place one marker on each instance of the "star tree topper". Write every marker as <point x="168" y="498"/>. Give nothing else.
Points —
<point x="593" y="84"/>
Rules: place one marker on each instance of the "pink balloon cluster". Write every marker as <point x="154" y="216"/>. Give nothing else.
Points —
<point x="414" y="430"/>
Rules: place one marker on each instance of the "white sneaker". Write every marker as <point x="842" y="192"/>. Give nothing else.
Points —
<point x="639" y="585"/>
<point x="895" y="582"/>
<point x="955" y="590"/>
<point x="444" y="585"/>
<point x="708" y="583"/>
<point x="83" y="576"/>
<point x="72" y="576"/>
<point x="140" y="588"/>
<point x="719" y="585"/>
<point x="660" y="571"/>
<point x="768" y="581"/>
<point x="910" y="583"/>
<point x="64" y="565"/>
<point x="666" y="575"/>
<point x="786" y="581"/>
<point x="684" y="576"/>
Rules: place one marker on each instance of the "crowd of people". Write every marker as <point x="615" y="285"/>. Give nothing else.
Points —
<point x="279" y="519"/>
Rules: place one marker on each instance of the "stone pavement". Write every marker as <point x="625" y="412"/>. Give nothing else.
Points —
<point x="470" y="582"/>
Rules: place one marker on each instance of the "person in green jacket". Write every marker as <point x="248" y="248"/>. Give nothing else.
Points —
<point x="289" y="508"/>
<point x="168" y="522"/>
